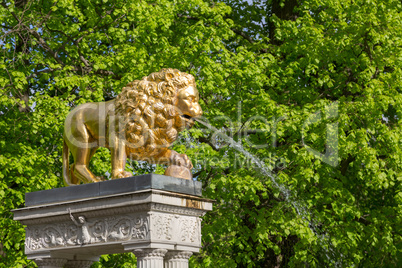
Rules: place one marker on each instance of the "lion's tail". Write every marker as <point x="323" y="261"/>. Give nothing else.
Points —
<point x="66" y="167"/>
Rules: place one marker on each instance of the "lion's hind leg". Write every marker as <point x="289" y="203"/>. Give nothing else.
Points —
<point x="73" y="178"/>
<point x="81" y="171"/>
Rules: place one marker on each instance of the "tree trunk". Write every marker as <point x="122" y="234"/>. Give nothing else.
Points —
<point x="285" y="12"/>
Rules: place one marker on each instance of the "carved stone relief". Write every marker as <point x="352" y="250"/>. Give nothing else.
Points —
<point x="84" y="231"/>
<point x="81" y="230"/>
<point x="189" y="229"/>
<point x="184" y="229"/>
<point x="162" y="226"/>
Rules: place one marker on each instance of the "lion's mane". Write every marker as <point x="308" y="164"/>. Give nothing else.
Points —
<point x="147" y="106"/>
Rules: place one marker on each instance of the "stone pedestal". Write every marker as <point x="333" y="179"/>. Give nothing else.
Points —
<point x="154" y="216"/>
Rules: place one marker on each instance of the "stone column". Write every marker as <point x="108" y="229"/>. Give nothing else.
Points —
<point x="177" y="259"/>
<point x="50" y="263"/>
<point x="150" y="258"/>
<point x="78" y="264"/>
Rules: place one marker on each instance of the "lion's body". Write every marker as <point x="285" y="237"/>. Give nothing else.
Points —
<point x="142" y="122"/>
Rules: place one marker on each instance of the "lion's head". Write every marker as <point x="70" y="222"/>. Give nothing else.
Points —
<point x="156" y="108"/>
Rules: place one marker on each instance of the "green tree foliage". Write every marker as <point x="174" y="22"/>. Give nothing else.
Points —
<point x="279" y="76"/>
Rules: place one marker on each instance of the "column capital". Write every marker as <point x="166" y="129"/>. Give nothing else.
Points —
<point x="78" y="264"/>
<point x="150" y="257"/>
<point x="50" y="263"/>
<point x="178" y="255"/>
<point x="177" y="259"/>
<point x="149" y="252"/>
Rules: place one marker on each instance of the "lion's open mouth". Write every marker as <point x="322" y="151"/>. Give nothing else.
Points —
<point x="187" y="117"/>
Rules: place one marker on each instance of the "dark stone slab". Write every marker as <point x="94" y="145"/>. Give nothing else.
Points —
<point x="112" y="187"/>
<point x="62" y="194"/>
<point x="176" y="185"/>
<point x="123" y="185"/>
<point x="150" y="181"/>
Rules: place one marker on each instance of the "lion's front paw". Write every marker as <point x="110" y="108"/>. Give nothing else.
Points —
<point x="179" y="172"/>
<point x="182" y="160"/>
<point x="123" y="174"/>
<point x="98" y="179"/>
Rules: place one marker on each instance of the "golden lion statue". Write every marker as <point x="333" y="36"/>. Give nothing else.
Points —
<point x="141" y="123"/>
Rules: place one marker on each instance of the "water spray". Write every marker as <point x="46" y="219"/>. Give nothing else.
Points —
<point x="301" y="210"/>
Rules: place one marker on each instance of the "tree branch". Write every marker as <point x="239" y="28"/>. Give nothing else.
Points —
<point x="207" y="141"/>
<point x="243" y="34"/>
<point x="45" y="46"/>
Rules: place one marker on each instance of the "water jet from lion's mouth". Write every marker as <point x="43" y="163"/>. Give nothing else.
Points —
<point x="300" y="208"/>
